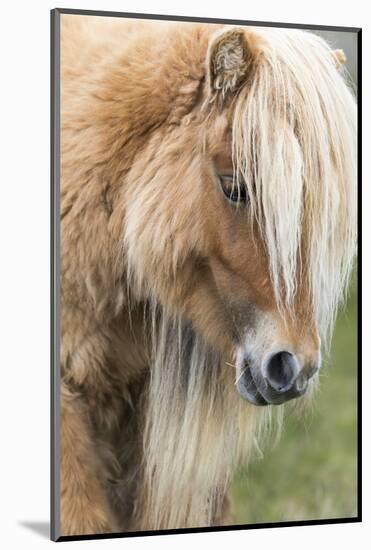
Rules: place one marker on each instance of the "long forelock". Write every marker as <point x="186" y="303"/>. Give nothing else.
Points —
<point x="294" y="147"/>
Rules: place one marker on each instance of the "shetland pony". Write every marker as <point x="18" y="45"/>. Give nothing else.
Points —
<point x="208" y="227"/>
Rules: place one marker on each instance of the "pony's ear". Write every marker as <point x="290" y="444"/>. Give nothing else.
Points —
<point x="339" y="57"/>
<point x="229" y="58"/>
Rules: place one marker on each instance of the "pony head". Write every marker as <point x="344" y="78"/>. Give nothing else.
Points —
<point x="241" y="213"/>
<point x="240" y="230"/>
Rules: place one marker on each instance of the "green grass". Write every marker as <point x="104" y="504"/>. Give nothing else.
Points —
<point x="311" y="473"/>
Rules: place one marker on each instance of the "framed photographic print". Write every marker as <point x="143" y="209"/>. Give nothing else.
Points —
<point x="204" y="284"/>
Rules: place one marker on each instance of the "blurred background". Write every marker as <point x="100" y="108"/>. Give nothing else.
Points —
<point x="311" y="473"/>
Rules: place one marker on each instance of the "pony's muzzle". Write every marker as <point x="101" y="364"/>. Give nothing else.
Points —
<point x="282" y="376"/>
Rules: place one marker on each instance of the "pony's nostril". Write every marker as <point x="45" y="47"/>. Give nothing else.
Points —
<point x="281" y="371"/>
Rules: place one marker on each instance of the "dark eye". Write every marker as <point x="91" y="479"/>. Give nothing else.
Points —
<point x="235" y="192"/>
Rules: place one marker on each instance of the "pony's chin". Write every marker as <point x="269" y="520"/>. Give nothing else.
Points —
<point x="247" y="389"/>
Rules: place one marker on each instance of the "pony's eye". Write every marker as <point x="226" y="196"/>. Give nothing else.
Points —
<point x="233" y="191"/>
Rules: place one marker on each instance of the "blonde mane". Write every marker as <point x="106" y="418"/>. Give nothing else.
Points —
<point x="294" y="136"/>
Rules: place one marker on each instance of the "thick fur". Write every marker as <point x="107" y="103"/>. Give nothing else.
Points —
<point x="152" y="273"/>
